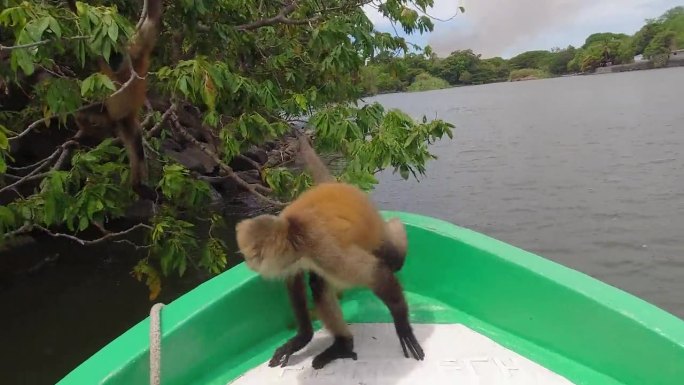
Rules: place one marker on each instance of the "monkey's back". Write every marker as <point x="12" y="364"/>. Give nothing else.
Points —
<point x="343" y="211"/>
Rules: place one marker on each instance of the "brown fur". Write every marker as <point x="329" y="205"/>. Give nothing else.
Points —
<point x="119" y="113"/>
<point x="333" y="231"/>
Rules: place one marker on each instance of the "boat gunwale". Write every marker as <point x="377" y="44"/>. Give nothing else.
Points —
<point x="132" y="345"/>
<point x="643" y="312"/>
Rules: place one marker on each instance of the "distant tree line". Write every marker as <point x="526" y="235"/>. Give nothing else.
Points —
<point x="387" y="72"/>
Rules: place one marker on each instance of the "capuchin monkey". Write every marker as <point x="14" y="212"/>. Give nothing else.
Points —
<point x="333" y="232"/>
<point x="119" y="113"/>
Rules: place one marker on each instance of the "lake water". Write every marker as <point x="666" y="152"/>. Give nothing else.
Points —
<point x="587" y="171"/>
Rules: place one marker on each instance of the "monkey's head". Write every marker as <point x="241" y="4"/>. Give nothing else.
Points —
<point x="270" y="244"/>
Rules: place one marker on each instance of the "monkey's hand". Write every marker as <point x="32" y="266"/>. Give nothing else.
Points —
<point x="409" y="343"/>
<point x="343" y="347"/>
<point x="293" y="345"/>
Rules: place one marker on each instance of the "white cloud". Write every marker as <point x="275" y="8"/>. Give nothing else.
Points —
<point x="505" y="27"/>
<point x="442" y="9"/>
<point x="375" y="16"/>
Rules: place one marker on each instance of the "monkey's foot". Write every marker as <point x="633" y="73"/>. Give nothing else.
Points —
<point x="343" y="347"/>
<point x="294" y="344"/>
<point x="410" y="344"/>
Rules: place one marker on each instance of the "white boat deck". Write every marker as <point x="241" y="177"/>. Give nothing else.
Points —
<point x="454" y="354"/>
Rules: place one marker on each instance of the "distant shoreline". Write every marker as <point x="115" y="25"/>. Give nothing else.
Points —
<point x="644" y="65"/>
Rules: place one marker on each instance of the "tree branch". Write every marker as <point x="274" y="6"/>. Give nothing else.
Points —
<point x="35" y="124"/>
<point x="28" y="129"/>
<point x="32" y="126"/>
<point x="345" y="7"/>
<point x="66" y="152"/>
<point x="280" y="18"/>
<point x="134" y="76"/>
<point x="133" y="244"/>
<point x="21" y="230"/>
<point x="146" y="121"/>
<point x="251" y="161"/>
<point x="37" y="43"/>
<point x="32" y="175"/>
<point x="202" y="28"/>
<point x="213" y="179"/>
<point x="227" y="169"/>
<point x="6" y="175"/>
<point x="157" y="127"/>
<point x="143" y="15"/>
<point x="87" y="242"/>
<point x="30" y="166"/>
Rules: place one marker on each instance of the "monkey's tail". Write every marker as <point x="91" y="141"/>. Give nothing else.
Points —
<point x="148" y="33"/>
<point x="154" y="10"/>
<point x="318" y="170"/>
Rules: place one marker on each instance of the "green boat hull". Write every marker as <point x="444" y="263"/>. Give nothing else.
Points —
<point x="573" y="325"/>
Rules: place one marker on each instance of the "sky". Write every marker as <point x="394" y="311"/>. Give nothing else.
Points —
<point x="508" y="27"/>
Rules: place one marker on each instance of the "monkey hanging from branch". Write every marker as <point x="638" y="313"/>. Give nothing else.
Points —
<point x="334" y="232"/>
<point x="118" y="114"/>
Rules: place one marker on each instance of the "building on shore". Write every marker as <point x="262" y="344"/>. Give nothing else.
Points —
<point x="677" y="54"/>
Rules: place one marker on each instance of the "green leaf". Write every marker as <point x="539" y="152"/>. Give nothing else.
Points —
<point x="4" y="142"/>
<point x="26" y="213"/>
<point x="70" y="223"/>
<point x="35" y="28"/>
<point x="50" y="210"/>
<point x="54" y="27"/>
<point x="107" y="82"/>
<point x="7" y="218"/>
<point x="182" y="265"/>
<point x="87" y="85"/>
<point x="404" y="172"/>
<point x="113" y="32"/>
<point x="82" y="223"/>
<point x="301" y="101"/>
<point x="81" y="52"/>
<point x="152" y="281"/>
<point x="23" y="60"/>
<point x="166" y="258"/>
<point x="246" y="88"/>
<point x="183" y="85"/>
<point x="93" y="207"/>
<point x="106" y="49"/>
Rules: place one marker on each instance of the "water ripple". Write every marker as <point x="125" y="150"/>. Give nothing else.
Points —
<point x="584" y="183"/>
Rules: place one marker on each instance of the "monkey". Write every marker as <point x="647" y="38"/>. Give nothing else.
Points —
<point x="119" y="112"/>
<point x="334" y="232"/>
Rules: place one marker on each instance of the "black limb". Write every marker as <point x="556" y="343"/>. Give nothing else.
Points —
<point x="390" y="292"/>
<point x="343" y="347"/>
<point x="297" y="293"/>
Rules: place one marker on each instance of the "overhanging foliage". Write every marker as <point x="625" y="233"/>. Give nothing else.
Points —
<point x="227" y="76"/>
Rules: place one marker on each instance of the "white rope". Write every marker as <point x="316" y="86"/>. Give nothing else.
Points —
<point x="155" y="344"/>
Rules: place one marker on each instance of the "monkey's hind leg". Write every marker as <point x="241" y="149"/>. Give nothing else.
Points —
<point x="297" y="291"/>
<point x="388" y="289"/>
<point x="328" y="309"/>
<point x="131" y="135"/>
